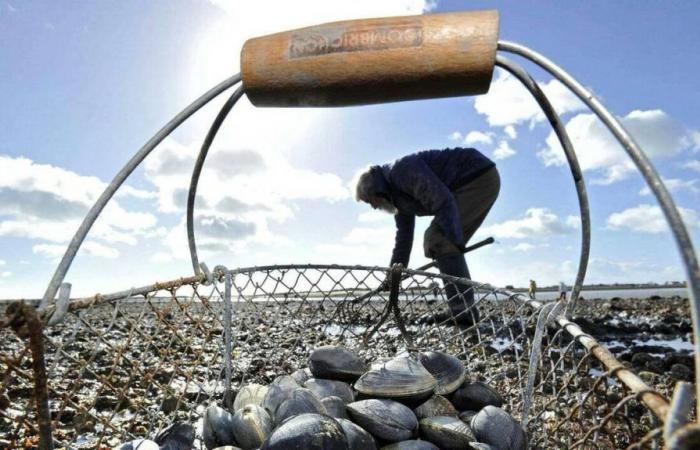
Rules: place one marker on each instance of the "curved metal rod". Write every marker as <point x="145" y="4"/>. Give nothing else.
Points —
<point x="680" y="232"/>
<point x="563" y="136"/>
<point x="194" y="181"/>
<point x="109" y="191"/>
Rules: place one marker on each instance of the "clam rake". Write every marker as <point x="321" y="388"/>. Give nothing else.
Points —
<point x="569" y="391"/>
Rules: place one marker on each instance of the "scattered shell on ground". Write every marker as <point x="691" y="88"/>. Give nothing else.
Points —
<point x="437" y="405"/>
<point x="448" y="370"/>
<point x="251" y="426"/>
<point x="328" y="388"/>
<point x="447" y="432"/>
<point x="497" y="428"/>
<point x="385" y="419"/>
<point x="336" y="363"/>
<point x="402" y="378"/>
<point x="307" y="432"/>
<point x="358" y="438"/>
<point x="250" y="394"/>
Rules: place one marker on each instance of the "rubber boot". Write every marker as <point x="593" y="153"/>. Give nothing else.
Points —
<point x="460" y="297"/>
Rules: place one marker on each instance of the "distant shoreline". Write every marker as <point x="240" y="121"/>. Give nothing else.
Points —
<point x="603" y="287"/>
<point x="589" y="288"/>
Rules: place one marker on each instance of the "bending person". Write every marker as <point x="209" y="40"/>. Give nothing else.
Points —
<point x="458" y="187"/>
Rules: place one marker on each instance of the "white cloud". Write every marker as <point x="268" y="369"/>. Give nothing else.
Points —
<point x="55" y="251"/>
<point x="477" y="137"/>
<point x="655" y="131"/>
<point x="5" y="274"/>
<point x="2" y="262"/>
<point x="503" y="151"/>
<point x="693" y="165"/>
<point x="45" y="202"/>
<point x="239" y="192"/>
<point x="675" y="184"/>
<point x="537" y="222"/>
<point x="647" y="218"/>
<point x="523" y="247"/>
<point x="508" y="102"/>
<point x="456" y="136"/>
<point x="510" y="132"/>
<point x="573" y="221"/>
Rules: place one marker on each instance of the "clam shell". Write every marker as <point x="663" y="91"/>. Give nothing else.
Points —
<point x="274" y="397"/>
<point x="335" y="407"/>
<point x="308" y="432"/>
<point x="251" y="426"/>
<point x="301" y="375"/>
<point x="250" y="394"/>
<point x="385" y="419"/>
<point x="177" y="436"/>
<point x="474" y="396"/>
<point x="217" y="429"/>
<point x="437" y="405"/>
<point x="416" y="444"/>
<point x="336" y="363"/>
<point x="287" y="382"/>
<point x="328" y="388"/>
<point x="447" y="432"/>
<point x="498" y="429"/>
<point x="301" y="401"/>
<point x="447" y="370"/>
<point x="139" y="444"/>
<point x="358" y="438"/>
<point x="402" y="378"/>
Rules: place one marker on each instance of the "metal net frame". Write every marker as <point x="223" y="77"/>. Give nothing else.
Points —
<point x="125" y="366"/>
<point x="69" y="362"/>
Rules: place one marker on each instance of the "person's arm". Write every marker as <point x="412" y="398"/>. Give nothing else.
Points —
<point x="403" y="242"/>
<point x="413" y="176"/>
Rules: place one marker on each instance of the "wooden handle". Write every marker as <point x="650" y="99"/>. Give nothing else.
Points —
<point x="372" y="60"/>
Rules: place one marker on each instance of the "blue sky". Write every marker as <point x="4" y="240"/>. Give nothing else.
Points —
<point x="84" y="85"/>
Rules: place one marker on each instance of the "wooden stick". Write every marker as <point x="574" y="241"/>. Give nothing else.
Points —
<point x="373" y="60"/>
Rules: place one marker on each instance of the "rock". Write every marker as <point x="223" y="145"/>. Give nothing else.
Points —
<point x="497" y="428"/>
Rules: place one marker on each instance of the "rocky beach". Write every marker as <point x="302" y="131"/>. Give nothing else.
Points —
<point x="164" y="359"/>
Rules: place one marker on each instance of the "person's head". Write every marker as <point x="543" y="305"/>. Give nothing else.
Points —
<point x="366" y="191"/>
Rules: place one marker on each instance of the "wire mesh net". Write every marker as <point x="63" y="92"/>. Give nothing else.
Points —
<point x="124" y="368"/>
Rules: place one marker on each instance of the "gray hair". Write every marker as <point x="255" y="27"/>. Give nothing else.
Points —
<point x="364" y="186"/>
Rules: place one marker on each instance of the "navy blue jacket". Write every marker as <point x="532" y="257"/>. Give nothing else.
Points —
<point x="421" y="184"/>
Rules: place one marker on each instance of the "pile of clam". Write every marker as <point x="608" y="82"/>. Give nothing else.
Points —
<point x="410" y="402"/>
